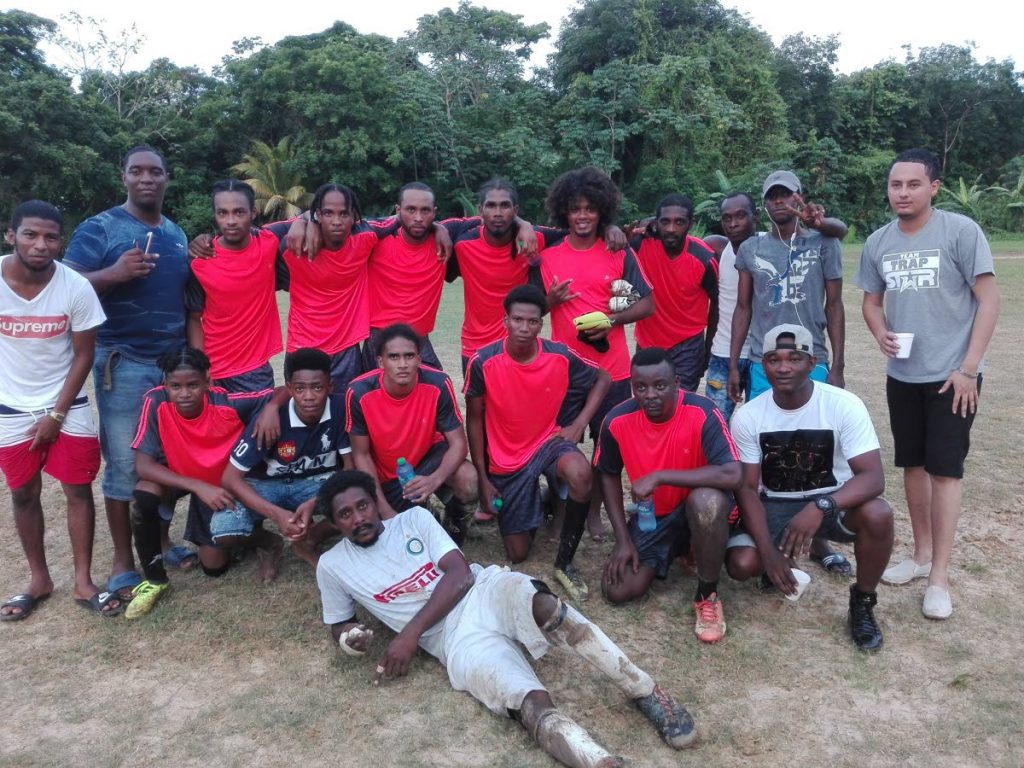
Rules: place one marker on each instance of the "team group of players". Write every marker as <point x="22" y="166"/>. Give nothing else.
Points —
<point x="180" y="336"/>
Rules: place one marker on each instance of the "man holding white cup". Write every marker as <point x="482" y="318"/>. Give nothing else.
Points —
<point x="929" y="275"/>
<point x="811" y="467"/>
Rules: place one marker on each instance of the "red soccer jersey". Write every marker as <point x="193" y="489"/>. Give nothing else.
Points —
<point x="198" y="448"/>
<point x="523" y="404"/>
<point x="488" y="274"/>
<point x="682" y="288"/>
<point x="592" y="272"/>
<point x="330" y="305"/>
<point x="404" y="427"/>
<point x="241" y="327"/>
<point x="695" y="436"/>
<point x="405" y="283"/>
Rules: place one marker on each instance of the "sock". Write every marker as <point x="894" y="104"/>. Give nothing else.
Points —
<point x="455" y="512"/>
<point x="146" y="532"/>
<point x="566" y="741"/>
<point x="705" y="589"/>
<point x="572" y="531"/>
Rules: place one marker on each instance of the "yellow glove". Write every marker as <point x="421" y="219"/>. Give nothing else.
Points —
<point x="592" y="321"/>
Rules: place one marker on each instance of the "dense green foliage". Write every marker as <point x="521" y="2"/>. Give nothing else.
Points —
<point x="665" y="95"/>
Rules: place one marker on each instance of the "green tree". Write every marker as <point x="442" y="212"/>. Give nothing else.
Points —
<point x="279" y="190"/>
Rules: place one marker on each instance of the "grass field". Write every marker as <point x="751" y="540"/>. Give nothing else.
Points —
<point x="225" y="673"/>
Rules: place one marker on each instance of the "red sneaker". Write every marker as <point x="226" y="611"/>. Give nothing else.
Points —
<point x="710" y="627"/>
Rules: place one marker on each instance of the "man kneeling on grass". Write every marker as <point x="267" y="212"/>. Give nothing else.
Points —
<point x="813" y="450"/>
<point x="409" y="574"/>
<point x="276" y="480"/>
<point x="186" y="431"/>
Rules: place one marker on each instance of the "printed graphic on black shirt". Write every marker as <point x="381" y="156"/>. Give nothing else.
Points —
<point x="797" y="461"/>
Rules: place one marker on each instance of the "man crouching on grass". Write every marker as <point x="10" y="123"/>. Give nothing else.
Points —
<point x="408" y="573"/>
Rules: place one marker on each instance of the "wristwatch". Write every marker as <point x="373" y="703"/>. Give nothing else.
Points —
<point x="826" y="504"/>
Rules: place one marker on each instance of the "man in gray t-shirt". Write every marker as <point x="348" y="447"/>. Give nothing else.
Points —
<point x="929" y="273"/>
<point x="788" y="275"/>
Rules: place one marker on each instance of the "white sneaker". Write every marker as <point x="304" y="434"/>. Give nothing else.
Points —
<point x="937" y="604"/>
<point x="905" y="572"/>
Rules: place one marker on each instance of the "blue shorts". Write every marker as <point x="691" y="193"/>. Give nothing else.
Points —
<point x="522" y="509"/>
<point x="759" y="382"/>
<point x="255" y="380"/>
<point x="120" y="383"/>
<point x="658" y="548"/>
<point x="286" y="492"/>
<point x="717" y="386"/>
<point x="687" y="360"/>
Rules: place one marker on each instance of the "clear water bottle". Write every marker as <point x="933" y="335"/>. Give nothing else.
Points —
<point x="405" y="472"/>
<point x="646" y="520"/>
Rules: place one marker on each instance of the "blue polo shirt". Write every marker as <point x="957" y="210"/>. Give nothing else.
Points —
<point x="145" y="316"/>
<point x="300" y="451"/>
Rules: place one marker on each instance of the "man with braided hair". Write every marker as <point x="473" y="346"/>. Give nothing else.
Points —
<point x="476" y="621"/>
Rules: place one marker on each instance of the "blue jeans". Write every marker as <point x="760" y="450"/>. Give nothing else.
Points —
<point x="121" y="383"/>
<point x="287" y="493"/>
<point x="717" y="385"/>
<point x="759" y="382"/>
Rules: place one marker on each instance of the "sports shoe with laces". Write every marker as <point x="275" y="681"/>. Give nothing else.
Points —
<point x="905" y="572"/>
<point x="863" y="628"/>
<point x="670" y="719"/>
<point x="144" y="597"/>
<point x="572" y="582"/>
<point x="710" y="626"/>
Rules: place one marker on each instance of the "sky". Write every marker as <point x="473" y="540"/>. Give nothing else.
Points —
<point x="200" y="33"/>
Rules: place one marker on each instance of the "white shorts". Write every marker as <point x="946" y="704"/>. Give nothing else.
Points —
<point x="15" y="424"/>
<point x="482" y="646"/>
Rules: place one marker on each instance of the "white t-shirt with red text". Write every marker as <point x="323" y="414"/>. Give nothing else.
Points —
<point x="35" y="337"/>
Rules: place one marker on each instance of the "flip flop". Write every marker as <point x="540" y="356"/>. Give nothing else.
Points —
<point x="834" y="563"/>
<point x="26" y="603"/>
<point x="98" y="602"/>
<point x="181" y="557"/>
<point x="123" y="583"/>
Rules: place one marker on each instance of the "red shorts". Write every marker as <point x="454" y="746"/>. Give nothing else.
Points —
<point x="70" y="459"/>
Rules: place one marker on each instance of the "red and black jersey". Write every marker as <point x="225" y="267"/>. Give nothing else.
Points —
<point x="592" y="271"/>
<point x="401" y="427"/>
<point x="198" y="448"/>
<point x="695" y="436"/>
<point x="683" y="288"/>
<point x="524" y="403"/>
<point x="234" y="292"/>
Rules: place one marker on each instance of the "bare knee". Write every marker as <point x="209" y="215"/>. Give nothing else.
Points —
<point x="26" y="497"/>
<point x="742" y="563"/>
<point x="517" y="547"/>
<point x="707" y="509"/>
<point x="876" y="518"/>
<point x="574" y="469"/>
<point x="545" y="606"/>
<point x="465" y="483"/>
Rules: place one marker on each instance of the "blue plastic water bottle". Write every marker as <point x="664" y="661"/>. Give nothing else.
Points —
<point x="405" y="472"/>
<point x="646" y="520"/>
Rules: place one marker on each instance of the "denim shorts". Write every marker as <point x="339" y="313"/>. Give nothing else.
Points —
<point x="287" y="493"/>
<point x="121" y="383"/>
<point x="717" y="386"/>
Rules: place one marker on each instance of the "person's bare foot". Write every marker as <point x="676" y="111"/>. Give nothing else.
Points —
<point x="38" y="591"/>
<point x="595" y="526"/>
<point x="269" y="554"/>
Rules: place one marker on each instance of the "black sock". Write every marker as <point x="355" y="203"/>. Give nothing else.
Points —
<point x="572" y="531"/>
<point x="455" y="511"/>
<point x="705" y="589"/>
<point x="146" y="532"/>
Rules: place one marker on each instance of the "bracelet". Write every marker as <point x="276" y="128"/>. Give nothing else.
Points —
<point x="57" y="416"/>
<point x="962" y="372"/>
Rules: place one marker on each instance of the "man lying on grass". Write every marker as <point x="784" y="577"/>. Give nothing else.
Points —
<point x="408" y="573"/>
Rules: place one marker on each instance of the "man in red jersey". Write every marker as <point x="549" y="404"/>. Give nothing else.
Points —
<point x="677" y="451"/>
<point x="519" y="392"/>
<point x="683" y="273"/>
<point x="578" y="274"/>
<point x="405" y="410"/>
<point x="230" y="297"/>
<point x="185" y="435"/>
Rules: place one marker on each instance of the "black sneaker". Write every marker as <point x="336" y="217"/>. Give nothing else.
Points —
<point x="863" y="627"/>
<point x="671" y="720"/>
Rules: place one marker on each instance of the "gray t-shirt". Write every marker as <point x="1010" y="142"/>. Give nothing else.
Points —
<point x="927" y="279"/>
<point x="789" y="285"/>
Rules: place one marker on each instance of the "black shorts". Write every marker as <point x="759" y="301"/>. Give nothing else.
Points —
<point x="618" y="392"/>
<point x="429" y="463"/>
<point x="522" y="510"/>
<point x="658" y="548"/>
<point x="346" y="365"/>
<point x="687" y="360"/>
<point x="925" y="431"/>
<point x="427" y="354"/>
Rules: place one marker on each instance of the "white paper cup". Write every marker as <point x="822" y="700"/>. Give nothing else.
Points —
<point x="906" y="341"/>
<point x="802" y="582"/>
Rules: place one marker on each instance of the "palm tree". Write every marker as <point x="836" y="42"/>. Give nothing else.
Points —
<point x="279" y="193"/>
